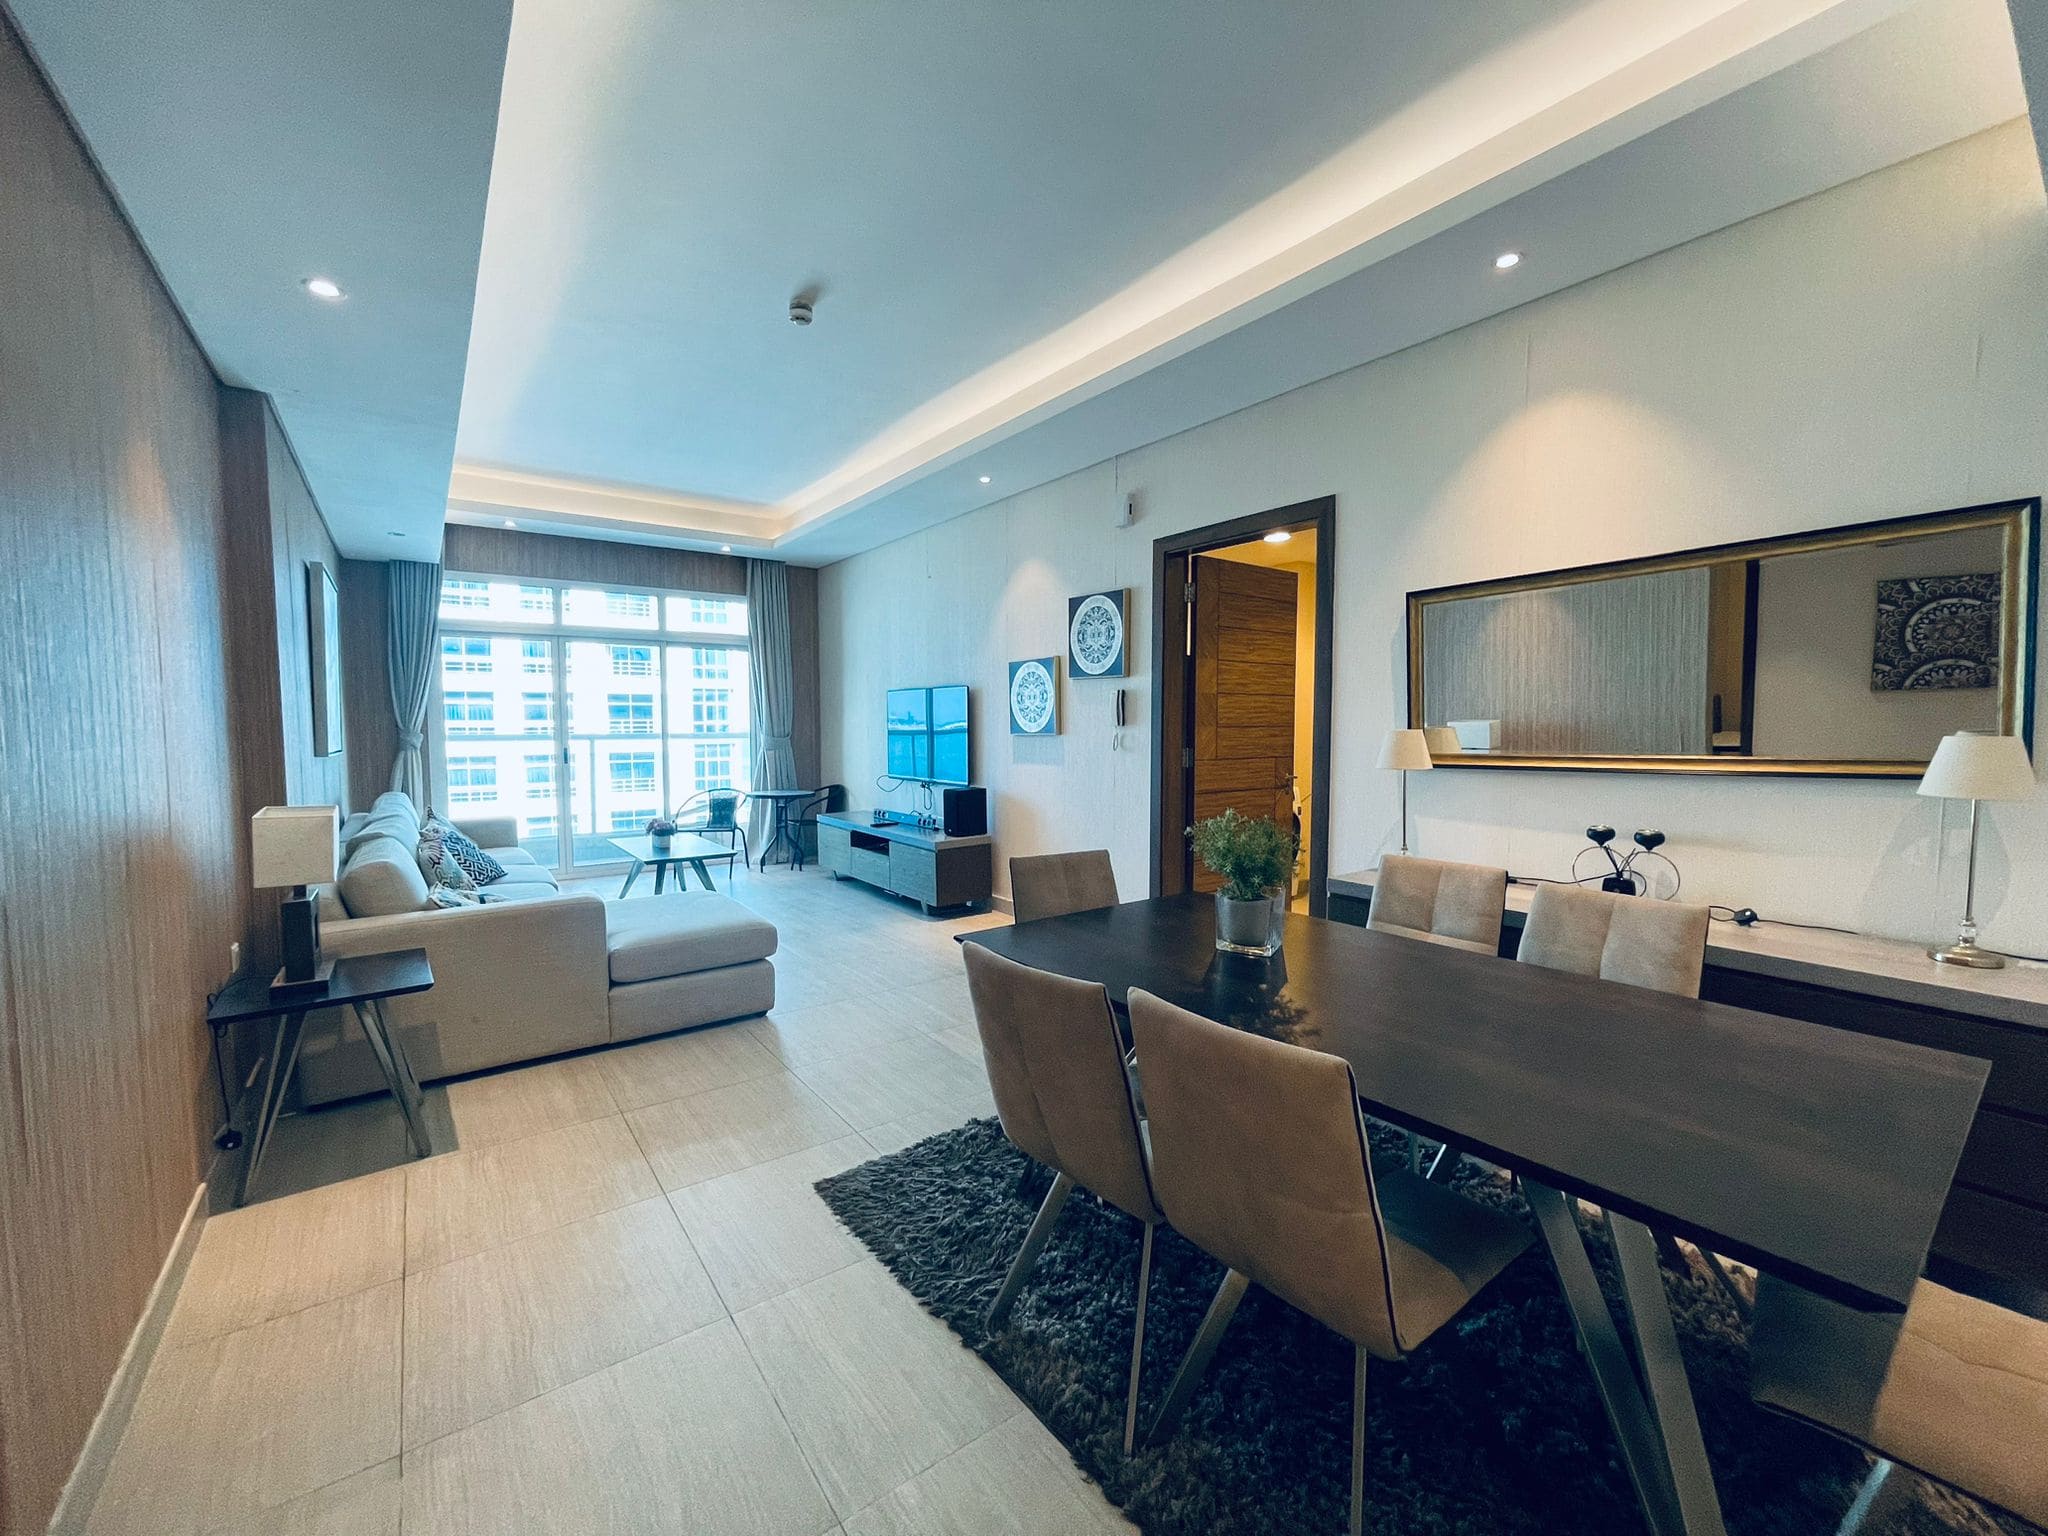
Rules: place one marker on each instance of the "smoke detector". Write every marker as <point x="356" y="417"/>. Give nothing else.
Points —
<point x="800" y="310"/>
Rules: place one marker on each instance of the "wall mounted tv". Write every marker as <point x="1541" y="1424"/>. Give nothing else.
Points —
<point x="928" y="737"/>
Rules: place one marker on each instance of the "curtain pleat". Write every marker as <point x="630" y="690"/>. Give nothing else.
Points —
<point x="415" y="596"/>
<point x="774" y="687"/>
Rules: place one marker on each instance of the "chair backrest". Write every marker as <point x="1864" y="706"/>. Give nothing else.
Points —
<point x="721" y="810"/>
<point x="1659" y="944"/>
<point x="830" y="798"/>
<point x="1455" y="904"/>
<point x="1259" y="1158"/>
<point x="1054" y="884"/>
<point x="1056" y="1068"/>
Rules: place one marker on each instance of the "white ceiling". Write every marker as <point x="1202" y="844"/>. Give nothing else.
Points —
<point x="1043" y="235"/>
<point x="258" y="142"/>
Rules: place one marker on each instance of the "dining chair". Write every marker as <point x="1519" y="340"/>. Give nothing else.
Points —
<point x="1646" y="943"/>
<point x="1955" y="1390"/>
<point x="1456" y="905"/>
<point x="1259" y="1157"/>
<point x="720" y="819"/>
<point x="1054" y="884"/>
<point x="1056" y="1069"/>
<point x="829" y="798"/>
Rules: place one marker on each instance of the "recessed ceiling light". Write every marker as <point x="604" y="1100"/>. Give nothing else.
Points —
<point x="1507" y="260"/>
<point x="725" y="549"/>
<point x="510" y="524"/>
<point x="325" y="288"/>
<point x="1278" y="536"/>
<point x="984" y="479"/>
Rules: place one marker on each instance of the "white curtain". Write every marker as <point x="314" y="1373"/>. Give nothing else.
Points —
<point x="774" y="688"/>
<point x="415" y="606"/>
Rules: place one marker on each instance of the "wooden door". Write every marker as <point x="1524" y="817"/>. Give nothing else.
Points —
<point x="1244" y="633"/>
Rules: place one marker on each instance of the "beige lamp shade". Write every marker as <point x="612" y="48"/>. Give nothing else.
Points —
<point x="1442" y="741"/>
<point x="1405" y="749"/>
<point x="294" y="845"/>
<point x="1970" y="766"/>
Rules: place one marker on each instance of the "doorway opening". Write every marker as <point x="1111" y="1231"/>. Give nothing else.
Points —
<point x="1242" y="637"/>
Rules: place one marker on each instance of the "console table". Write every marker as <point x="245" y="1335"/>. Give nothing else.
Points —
<point x="1995" y="1221"/>
<point x="923" y="863"/>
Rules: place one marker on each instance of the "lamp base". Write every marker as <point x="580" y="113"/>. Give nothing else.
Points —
<point x="316" y="984"/>
<point x="1964" y="952"/>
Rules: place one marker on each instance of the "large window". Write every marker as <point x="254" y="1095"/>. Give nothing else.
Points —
<point x="583" y="711"/>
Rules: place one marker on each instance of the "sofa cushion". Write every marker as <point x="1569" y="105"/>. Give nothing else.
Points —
<point x="523" y="866"/>
<point x="379" y="824"/>
<point x="381" y="879"/>
<point x="514" y="888"/>
<point x="675" y="935"/>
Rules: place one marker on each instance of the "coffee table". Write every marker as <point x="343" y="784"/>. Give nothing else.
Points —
<point x="683" y="850"/>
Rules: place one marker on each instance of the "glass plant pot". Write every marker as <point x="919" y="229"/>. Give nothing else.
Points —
<point x="1251" y="927"/>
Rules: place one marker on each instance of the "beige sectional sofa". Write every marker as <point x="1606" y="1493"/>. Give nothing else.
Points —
<point x="532" y="972"/>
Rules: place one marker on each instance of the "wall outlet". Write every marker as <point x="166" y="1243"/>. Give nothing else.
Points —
<point x="235" y="959"/>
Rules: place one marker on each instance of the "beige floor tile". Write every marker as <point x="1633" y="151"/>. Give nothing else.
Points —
<point x="965" y="1039"/>
<point x="257" y="1418"/>
<point x="894" y="1079"/>
<point x="487" y="1332"/>
<point x="764" y="1230"/>
<point x="1016" y="1480"/>
<point x="911" y="1129"/>
<point x="800" y="983"/>
<point x="799" y="1036"/>
<point x="366" y="1504"/>
<point x="507" y="1105"/>
<point x="727" y="1129"/>
<point x="945" y="1002"/>
<point x="875" y="1387"/>
<point x="681" y="1441"/>
<point x="676" y="1066"/>
<point x="267" y="1260"/>
<point x="469" y="1201"/>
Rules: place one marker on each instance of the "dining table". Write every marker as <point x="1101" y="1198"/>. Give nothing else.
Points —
<point x="1812" y="1153"/>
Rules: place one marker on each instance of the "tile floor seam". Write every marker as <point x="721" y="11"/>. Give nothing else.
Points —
<point x="168" y="1350"/>
<point x="1008" y="1418"/>
<point x="788" y="1425"/>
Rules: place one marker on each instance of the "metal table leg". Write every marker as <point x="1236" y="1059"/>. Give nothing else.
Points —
<point x="631" y="875"/>
<point x="397" y="1071"/>
<point x="703" y="874"/>
<point x="277" y="1076"/>
<point x="1652" y="1414"/>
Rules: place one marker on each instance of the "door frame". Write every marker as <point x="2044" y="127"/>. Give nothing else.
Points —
<point x="1173" y="671"/>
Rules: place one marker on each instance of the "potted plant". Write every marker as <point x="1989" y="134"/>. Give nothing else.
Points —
<point x="661" y="829"/>
<point x="1254" y="857"/>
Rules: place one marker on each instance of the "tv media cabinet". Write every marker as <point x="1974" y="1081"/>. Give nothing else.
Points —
<point x="932" y="869"/>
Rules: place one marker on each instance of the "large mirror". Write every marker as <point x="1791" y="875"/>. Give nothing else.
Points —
<point x="1850" y="651"/>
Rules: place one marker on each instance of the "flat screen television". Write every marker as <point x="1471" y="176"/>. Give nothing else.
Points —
<point x="928" y="734"/>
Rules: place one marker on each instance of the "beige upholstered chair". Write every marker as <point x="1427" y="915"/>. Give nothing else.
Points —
<point x="1054" y="884"/>
<point x="1956" y="1390"/>
<point x="1459" y="905"/>
<point x="1259" y="1157"/>
<point x="1056" y="1068"/>
<point x="1658" y="944"/>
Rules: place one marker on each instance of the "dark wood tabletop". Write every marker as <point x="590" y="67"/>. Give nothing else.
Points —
<point x="1819" y="1154"/>
<point x="357" y="979"/>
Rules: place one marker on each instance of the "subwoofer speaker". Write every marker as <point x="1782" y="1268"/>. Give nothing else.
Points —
<point x="964" y="812"/>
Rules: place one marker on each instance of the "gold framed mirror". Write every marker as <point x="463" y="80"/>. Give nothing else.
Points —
<point x="1849" y="652"/>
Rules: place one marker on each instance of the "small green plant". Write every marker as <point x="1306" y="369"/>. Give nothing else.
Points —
<point x="1250" y="853"/>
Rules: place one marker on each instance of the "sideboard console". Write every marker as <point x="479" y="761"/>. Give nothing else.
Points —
<point x="1995" y="1225"/>
<point x="923" y="863"/>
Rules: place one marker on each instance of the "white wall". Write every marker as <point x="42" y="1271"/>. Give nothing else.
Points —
<point x="1877" y="350"/>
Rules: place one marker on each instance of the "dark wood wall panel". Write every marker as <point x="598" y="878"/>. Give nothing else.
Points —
<point x="119" y="814"/>
<point x="508" y="552"/>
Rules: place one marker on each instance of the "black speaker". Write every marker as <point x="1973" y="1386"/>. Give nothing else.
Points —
<point x="964" y="812"/>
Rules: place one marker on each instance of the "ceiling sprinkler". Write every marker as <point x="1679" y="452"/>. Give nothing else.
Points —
<point x="800" y="311"/>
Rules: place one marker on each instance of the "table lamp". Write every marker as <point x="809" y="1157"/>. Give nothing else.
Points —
<point x="296" y="846"/>
<point x="1405" y="750"/>
<point x="1975" y="767"/>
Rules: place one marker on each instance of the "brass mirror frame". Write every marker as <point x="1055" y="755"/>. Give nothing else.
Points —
<point x="2020" y="521"/>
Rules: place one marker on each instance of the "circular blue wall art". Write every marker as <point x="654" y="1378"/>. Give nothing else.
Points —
<point x="1034" y="697"/>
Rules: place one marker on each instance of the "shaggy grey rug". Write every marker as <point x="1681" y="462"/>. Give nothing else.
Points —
<point x="1492" y="1429"/>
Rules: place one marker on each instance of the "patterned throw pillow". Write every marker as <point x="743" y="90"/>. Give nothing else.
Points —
<point x="481" y="868"/>
<point x="440" y="866"/>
